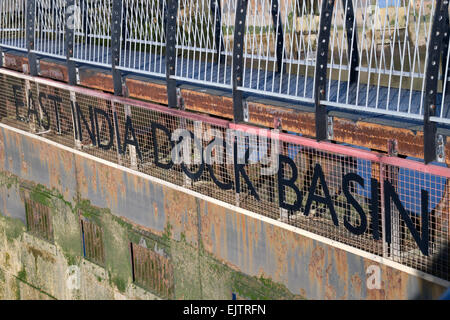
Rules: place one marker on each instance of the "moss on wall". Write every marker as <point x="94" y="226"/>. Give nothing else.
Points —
<point x="13" y="228"/>
<point x="196" y="273"/>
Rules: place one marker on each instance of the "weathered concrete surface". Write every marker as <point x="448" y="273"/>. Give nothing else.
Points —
<point x="214" y="251"/>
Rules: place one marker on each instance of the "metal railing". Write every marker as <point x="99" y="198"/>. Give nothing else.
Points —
<point x="92" y="37"/>
<point x="143" y="38"/>
<point x="280" y="48"/>
<point x="204" y="45"/>
<point x="383" y="57"/>
<point x="391" y="45"/>
<point x="12" y="24"/>
<point x="50" y="28"/>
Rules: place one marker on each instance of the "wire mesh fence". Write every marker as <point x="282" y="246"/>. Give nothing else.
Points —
<point x="394" y="208"/>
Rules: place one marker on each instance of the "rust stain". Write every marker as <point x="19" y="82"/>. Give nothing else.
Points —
<point x="356" y="285"/>
<point x="241" y="226"/>
<point x="330" y="291"/>
<point x="211" y="104"/>
<point x="340" y="257"/>
<point x="145" y="90"/>
<point x="376" y="136"/>
<point x="155" y="208"/>
<point x="394" y="283"/>
<point x="316" y="265"/>
<point x="54" y="71"/>
<point x="16" y="62"/>
<point x="447" y="153"/>
<point x="291" y="120"/>
<point x="97" y="80"/>
<point x="181" y="212"/>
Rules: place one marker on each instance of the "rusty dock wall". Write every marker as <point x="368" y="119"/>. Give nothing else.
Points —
<point x="204" y="241"/>
<point x="215" y="249"/>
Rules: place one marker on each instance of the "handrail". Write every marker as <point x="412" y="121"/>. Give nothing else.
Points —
<point x="368" y="57"/>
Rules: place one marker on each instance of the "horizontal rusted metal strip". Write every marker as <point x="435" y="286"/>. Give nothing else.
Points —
<point x="361" y="133"/>
<point x="285" y="137"/>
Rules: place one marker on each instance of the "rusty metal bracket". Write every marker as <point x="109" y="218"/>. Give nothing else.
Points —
<point x="238" y="59"/>
<point x="330" y="128"/>
<point x="71" y="65"/>
<point x="321" y="69"/>
<point x="277" y="123"/>
<point x="216" y="12"/>
<point x="246" y="112"/>
<point x="180" y="100"/>
<point x="431" y="79"/>
<point x="31" y="16"/>
<point x="116" y="35"/>
<point x="279" y="34"/>
<point x="352" y="39"/>
<point x="393" y="147"/>
<point x="440" y="148"/>
<point x="171" y="39"/>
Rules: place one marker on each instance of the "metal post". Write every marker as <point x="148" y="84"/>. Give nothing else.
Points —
<point x="352" y="39"/>
<point x="238" y="59"/>
<point x="431" y="78"/>
<point x="116" y="35"/>
<point x="279" y="31"/>
<point x="70" y="26"/>
<point x="76" y="135"/>
<point x="124" y="25"/>
<point x="30" y="35"/>
<point x="171" y="39"/>
<point x="216" y="12"/>
<point x="321" y="69"/>
<point x="445" y="48"/>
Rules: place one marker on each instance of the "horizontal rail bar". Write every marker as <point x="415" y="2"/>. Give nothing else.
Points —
<point x="376" y="57"/>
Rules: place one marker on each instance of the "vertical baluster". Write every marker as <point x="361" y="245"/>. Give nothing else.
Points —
<point x="30" y="35"/>
<point x="439" y="27"/>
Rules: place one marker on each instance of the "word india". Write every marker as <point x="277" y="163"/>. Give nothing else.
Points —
<point x="199" y="150"/>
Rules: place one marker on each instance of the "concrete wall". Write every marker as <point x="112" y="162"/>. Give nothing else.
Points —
<point x="215" y="251"/>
